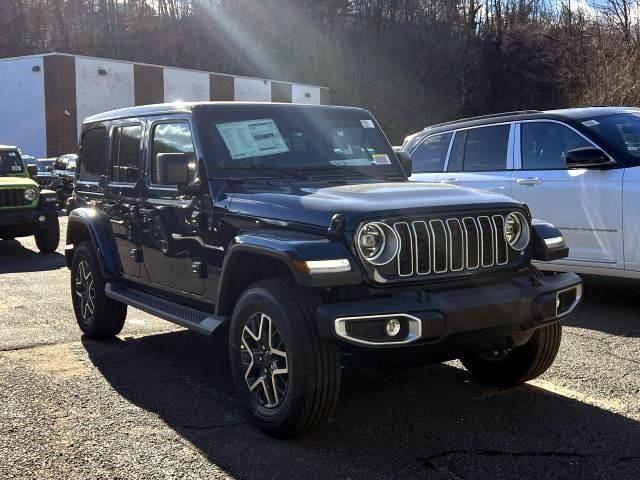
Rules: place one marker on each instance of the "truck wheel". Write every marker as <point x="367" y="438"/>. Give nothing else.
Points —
<point x="98" y="316"/>
<point x="287" y="376"/>
<point x="47" y="239"/>
<point x="519" y="364"/>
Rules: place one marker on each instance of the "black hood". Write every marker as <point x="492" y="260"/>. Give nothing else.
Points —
<point x="316" y="204"/>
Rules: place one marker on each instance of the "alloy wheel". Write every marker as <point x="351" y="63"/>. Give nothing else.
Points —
<point x="85" y="289"/>
<point x="263" y="358"/>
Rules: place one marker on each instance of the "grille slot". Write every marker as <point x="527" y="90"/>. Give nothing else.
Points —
<point x="451" y="245"/>
<point x="12" y="197"/>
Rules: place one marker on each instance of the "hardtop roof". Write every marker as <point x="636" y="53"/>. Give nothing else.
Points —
<point x="187" y="107"/>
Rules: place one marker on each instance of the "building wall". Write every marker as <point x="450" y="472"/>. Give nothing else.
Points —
<point x="252" y="90"/>
<point x="305" y="94"/>
<point x="96" y="92"/>
<point x="186" y="86"/>
<point x="22" y="105"/>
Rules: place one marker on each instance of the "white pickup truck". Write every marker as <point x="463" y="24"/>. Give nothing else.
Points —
<point x="576" y="168"/>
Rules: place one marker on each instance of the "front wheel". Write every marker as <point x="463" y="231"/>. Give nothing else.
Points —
<point x="287" y="376"/>
<point x="520" y="364"/>
<point x="47" y="239"/>
<point x="98" y="316"/>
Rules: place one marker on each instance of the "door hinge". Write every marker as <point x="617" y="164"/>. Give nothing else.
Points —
<point x="136" y="254"/>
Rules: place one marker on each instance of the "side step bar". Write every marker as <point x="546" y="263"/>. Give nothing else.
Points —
<point x="196" y="320"/>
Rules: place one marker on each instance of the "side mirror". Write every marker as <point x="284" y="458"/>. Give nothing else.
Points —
<point x="406" y="162"/>
<point x="588" y="157"/>
<point x="173" y="168"/>
<point x="32" y="170"/>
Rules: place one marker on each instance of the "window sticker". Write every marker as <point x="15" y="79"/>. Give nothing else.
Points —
<point x="367" y="123"/>
<point x="590" y="123"/>
<point x="252" y="138"/>
<point x="355" y="162"/>
<point x="16" y="168"/>
<point x="11" y="154"/>
<point x="381" y="159"/>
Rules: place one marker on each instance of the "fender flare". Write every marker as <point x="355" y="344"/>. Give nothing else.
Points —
<point x="90" y="222"/>
<point x="286" y="247"/>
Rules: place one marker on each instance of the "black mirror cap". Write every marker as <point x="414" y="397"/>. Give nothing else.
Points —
<point x="173" y="168"/>
<point x="588" y="157"/>
<point x="32" y="170"/>
<point x="406" y="162"/>
<point x="547" y="242"/>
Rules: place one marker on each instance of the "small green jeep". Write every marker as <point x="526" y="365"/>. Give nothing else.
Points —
<point x="24" y="209"/>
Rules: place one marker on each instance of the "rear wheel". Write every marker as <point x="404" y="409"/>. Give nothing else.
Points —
<point x="47" y="239"/>
<point x="98" y="316"/>
<point x="519" y="364"/>
<point x="287" y="376"/>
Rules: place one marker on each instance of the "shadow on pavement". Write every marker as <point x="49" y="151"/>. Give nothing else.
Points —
<point x="14" y="258"/>
<point x="610" y="305"/>
<point x="429" y="422"/>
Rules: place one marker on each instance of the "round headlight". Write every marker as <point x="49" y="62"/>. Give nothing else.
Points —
<point x="516" y="231"/>
<point x="30" y="194"/>
<point x="377" y="243"/>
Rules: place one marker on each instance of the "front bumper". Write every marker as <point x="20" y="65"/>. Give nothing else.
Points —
<point x="519" y="304"/>
<point x="22" y="222"/>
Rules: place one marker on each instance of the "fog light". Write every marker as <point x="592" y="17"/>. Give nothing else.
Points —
<point x="42" y="218"/>
<point x="393" y="327"/>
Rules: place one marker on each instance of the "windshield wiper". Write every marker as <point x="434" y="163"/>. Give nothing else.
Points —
<point x="351" y="169"/>
<point x="286" y="171"/>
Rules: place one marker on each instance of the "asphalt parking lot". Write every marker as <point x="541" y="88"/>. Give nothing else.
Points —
<point x="158" y="401"/>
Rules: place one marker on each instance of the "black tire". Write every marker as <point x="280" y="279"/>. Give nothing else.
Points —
<point x="313" y="365"/>
<point x="106" y="317"/>
<point x="47" y="239"/>
<point x="522" y="363"/>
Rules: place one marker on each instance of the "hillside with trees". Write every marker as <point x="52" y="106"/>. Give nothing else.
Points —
<point x="412" y="62"/>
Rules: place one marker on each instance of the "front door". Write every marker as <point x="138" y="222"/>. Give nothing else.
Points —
<point x="171" y="222"/>
<point x="586" y="205"/>
<point x="121" y="199"/>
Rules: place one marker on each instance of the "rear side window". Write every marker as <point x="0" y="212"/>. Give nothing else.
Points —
<point x="544" y="145"/>
<point x="93" y="154"/>
<point x="431" y="153"/>
<point x="171" y="138"/>
<point x="456" y="157"/>
<point x="125" y="152"/>
<point x="486" y="148"/>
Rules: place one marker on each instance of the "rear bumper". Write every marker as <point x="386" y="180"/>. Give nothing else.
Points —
<point x="498" y="310"/>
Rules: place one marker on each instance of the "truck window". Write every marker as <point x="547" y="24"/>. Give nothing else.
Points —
<point x="172" y="137"/>
<point x="544" y="145"/>
<point x="431" y="154"/>
<point x="125" y="152"/>
<point x="486" y="148"/>
<point x="93" y="157"/>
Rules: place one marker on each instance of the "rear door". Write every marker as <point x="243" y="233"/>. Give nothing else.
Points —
<point x="123" y="189"/>
<point x="585" y="204"/>
<point x="429" y="157"/>
<point x="482" y="157"/>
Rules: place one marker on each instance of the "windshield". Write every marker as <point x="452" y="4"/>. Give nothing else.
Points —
<point x="331" y="140"/>
<point x="10" y="163"/>
<point x="44" y="165"/>
<point x="621" y="132"/>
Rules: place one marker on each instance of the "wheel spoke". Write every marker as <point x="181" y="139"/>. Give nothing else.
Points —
<point x="248" y="350"/>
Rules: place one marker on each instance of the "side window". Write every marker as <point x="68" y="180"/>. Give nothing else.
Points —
<point x="93" y="154"/>
<point x="125" y="152"/>
<point x="544" y="145"/>
<point x="456" y="157"/>
<point x="171" y="138"/>
<point x="431" y="153"/>
<point x="486" y="148"/>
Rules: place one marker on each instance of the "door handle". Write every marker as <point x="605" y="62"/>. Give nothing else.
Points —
<point x="529" y="181"/>
<point x="452" y="181"/>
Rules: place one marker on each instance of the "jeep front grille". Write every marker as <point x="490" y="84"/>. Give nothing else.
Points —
<point x="450" y="245"/>
<point x="12" y="197"/>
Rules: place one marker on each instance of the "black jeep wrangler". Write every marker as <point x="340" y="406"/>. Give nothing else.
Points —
<point x="295" y="228"/>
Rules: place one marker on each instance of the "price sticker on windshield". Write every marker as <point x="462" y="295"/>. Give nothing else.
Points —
<point x="381" y="159"/>
<point x="16" y="168"/>
<point x="367" y="123"/>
